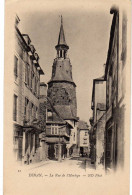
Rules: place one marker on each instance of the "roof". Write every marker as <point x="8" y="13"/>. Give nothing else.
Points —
<point x="114" y="11"/>
<point x="99" y="79"/>
<point x="43" y="84"/>
<point x="54" y="109"/>
<point x="60" y="115"/>
<point x="26" y="40"/>
<point x="56" y="122"/>
<point x="61" y="39"/>
<point x="82" y="125"/>
<point x="94" y="80"/>
<point x="65" y="112"/>
<point x="62" y="71"/>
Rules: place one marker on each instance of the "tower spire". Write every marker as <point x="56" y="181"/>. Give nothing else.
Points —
<point x="61" y="39"/>
<point x="61" y="47"/>
<point x="61" y="20"/>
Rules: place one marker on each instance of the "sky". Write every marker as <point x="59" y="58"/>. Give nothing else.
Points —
<point x="87" y="32"/>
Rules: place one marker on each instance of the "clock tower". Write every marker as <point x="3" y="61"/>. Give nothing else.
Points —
<point x="61" y="87"/>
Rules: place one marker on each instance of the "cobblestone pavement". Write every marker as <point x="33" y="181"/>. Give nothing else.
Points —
<point x="73" y="164"/>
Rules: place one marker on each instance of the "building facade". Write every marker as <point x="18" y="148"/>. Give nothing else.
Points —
<point x="57" y="133"/>
<point x="108" y="123"/>
<point x="83" y="138"/>
<point x="98" y="105"/>
<point x="115" y="93"/>
<point x="26" y="122"/>
<point x="100" y="136"/>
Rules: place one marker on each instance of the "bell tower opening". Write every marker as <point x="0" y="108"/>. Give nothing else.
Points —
<point x="61" y="47"/>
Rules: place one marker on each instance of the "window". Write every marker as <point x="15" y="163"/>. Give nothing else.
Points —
<point x="61" y="53"/>
<point x="64" y="54"/>
<point x="74" y="137"/>
<point x="36" y="113"/>
<point x="38" y="88"/>
<point x="31" y="78"/>
<point x="32" y="109"/>
<point x="85" y="142"/>
<point x="15" y="108"/>
<point x="86" y="133"/>
<point x="36" y="141"/>
<point x="110" y="89"/>
<point x="15" y="67"/>
<point x="26" y="111"/>
<point x="54" y="129"/>
<point x="28" y="75"/>
<point x="26" y="72"/>
<point x="32" y="81"/>
<point x="35" y="85"/>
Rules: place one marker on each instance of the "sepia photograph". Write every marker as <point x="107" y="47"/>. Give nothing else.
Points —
<point x="67" y="94"/>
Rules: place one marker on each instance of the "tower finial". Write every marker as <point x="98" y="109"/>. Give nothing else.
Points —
<point x="61" y="20"/>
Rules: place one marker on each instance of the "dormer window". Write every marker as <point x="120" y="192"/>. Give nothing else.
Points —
<point x="49" y="115"/>
<point x="17" y="20"/>
<point x="32" y="49"/>
<point x="26" y="38"/>
<point x="36" y="56"/>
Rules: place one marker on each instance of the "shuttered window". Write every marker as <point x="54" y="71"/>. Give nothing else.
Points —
<point x="26" y="112"/>
<point x="31" y="79"/>
<point x="26" y="73"/>
<point x="15" y="108"/>
<point x="15" y="67"/>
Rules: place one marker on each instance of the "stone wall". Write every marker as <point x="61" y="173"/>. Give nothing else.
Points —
<point x="42" y="112"/>
<point x="100" y="137"/>
<point x="99" y="96"/>
<point x="63" y="93"/>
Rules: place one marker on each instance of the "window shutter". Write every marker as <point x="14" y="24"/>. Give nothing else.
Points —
<point x="15" y="67"/>
<point x="15" y="108"/>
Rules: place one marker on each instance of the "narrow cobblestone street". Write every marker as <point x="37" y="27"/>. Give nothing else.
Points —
<point x="73" y="164"/>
